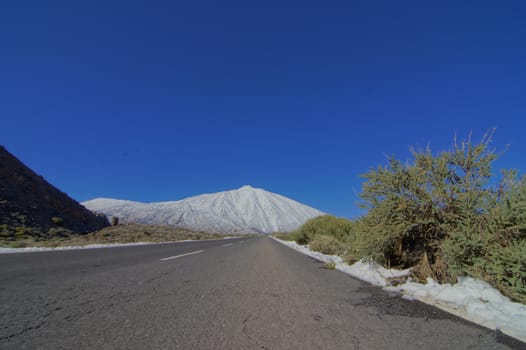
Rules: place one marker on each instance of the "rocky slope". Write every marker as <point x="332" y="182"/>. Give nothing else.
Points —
<point x="29" y="204"/>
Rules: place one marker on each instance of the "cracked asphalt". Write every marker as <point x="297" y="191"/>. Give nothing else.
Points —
<point x="250" y="294"/>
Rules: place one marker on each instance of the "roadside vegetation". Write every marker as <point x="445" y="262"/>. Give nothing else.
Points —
<point x="442" y="214"/>
<point x="124" y="233"/>
<point x="330" y="265"/>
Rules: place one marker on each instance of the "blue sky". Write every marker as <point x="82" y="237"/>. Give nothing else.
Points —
<point x="155" y="101"/>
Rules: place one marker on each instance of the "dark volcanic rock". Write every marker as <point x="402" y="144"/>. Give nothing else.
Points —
<point x="27" y="200"/>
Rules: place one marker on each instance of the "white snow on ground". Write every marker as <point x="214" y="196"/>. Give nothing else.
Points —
<point x="469" y="298"/>
<point x="369" y="272"/>
<point x="474" y="300"/>
<point x="92" y="246"/>
<point x="89" y="246"/>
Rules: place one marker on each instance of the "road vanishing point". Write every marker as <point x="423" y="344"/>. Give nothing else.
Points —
<point x="248" y="293"/>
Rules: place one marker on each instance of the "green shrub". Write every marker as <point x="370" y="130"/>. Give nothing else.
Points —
<point x="20" y="232"/>
<point x="327" y="245"/>
<point x="57" y="221"/>
<point x="327" y="225"/>
<point x="503" y="262"/>
<point x="59" y="232"/>
<point x="441" y="215"/>
<point x="505" y="268"/>
<point x="414" y="206"/>
<point x="6" y="231"/>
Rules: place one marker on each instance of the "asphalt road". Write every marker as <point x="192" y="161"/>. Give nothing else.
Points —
<point x="227" y="294"/>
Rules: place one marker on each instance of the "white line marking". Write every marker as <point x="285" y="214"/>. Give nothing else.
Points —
<point x="226" y="245"/>
<point x="181" y="255"/>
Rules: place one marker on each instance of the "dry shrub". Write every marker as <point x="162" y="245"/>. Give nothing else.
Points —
<point x="327" y="245"/>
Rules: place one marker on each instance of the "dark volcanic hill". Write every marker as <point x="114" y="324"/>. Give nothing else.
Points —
<point x="29" y="201"/>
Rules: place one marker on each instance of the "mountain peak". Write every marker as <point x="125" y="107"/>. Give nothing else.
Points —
<point x="247" y="209"/>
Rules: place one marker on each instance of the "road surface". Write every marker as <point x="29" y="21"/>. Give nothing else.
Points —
<point x="226" y="294"/>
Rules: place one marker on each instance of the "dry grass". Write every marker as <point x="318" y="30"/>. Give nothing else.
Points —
<point x="330" y="265"/>
<point x="327" y="245"/>
<point x="126" y="233"/>
<point x="285" y="236"/>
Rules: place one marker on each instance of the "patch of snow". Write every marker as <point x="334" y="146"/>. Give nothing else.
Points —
<point x="366" y="271"/>
<point x="4" y="250"/>
<point x="76" y="247"/>
<point x="472" y="299"/>
<point x="245" y="210"/>
<point x="469" y="298"/>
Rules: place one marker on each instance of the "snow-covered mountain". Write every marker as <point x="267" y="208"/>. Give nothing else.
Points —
<point x="248" y="209"/>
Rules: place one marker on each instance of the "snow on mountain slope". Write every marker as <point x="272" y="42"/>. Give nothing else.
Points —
<point x="247" y="209"/>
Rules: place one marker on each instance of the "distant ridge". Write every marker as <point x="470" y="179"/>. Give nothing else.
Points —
<point x="245" y="210"/>
<point x="30" y="202"/>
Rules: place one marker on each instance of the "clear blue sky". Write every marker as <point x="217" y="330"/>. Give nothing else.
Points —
<point x="155" y="101"/>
